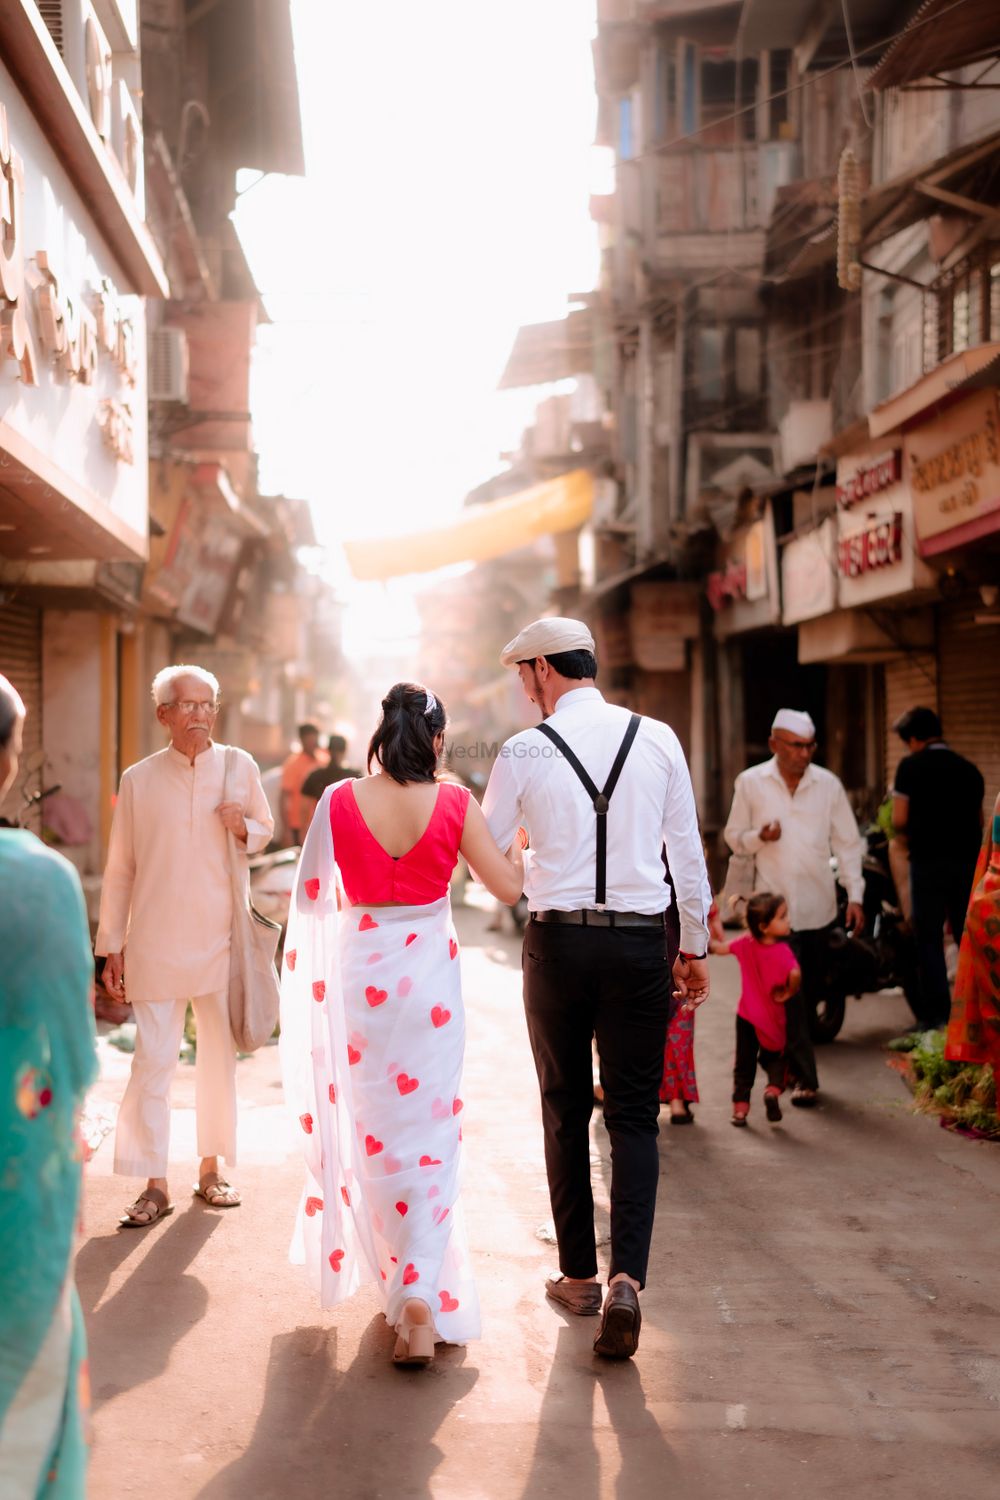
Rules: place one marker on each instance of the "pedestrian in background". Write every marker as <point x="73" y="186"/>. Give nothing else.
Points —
<point x="598" y="960"/>
<point x="297" y="766"/>
<point x="770" y="977"/>
<point x="47" y="1062"/>
<point x="317" y="781"/>
<point x="679" y="1085"/>
<point x="937" y="807"/>
<point x="791" y="815"/>
<point x="165" y="925"/>
<point x="974" y="1025"/>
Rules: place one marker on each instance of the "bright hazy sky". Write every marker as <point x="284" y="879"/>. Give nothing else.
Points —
<point x="449" y="166"/>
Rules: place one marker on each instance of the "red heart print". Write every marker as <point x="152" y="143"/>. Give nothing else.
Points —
<point x="402" y="1209"/>
<point x="306" y="1121"/>
<point x="440" y="1016"/>
<point x="452" y="947"/>
<point x="372" y="1146"/>
<point x="319" y="989"/>
<point x="346" y="1196"/>
<point x="313" y="1206"/>
<point x="430" y="1161"/>
<point x="440" y="1110"/>
<point x="353" y="1055"/>
<point x="374" y="958"/>
<point x="406" y="1085"/>
<point x="312" y="889"/>
<point x="382" y="1273"/>
<point x="411" y="938"/>
<point x="457" y="1106"/>
<point x="410" y="1274"/>
<point x="434" y="1192"/>
<point x="440" y="1214"/>
<point x="394" y="1260"/>
<point x="403" y="988"/>
<point x="336" y="1257"/>
<point x="367" y="923"/>
<point x="392" y="1163"/>
<point x="290" y="957"/>
<point x="333" y="1094"/>
<point x="448" y="1302"/>
<point x="376" y="997"/>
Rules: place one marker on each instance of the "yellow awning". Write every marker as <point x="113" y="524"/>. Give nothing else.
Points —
<point x="480" y="532"/>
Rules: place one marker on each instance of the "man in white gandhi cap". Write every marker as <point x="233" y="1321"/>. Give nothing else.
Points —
<point x="791" y="815"/>
<point x="603" y="795"/>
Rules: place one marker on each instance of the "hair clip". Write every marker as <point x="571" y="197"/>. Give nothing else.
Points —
<point x="432" y="702"/>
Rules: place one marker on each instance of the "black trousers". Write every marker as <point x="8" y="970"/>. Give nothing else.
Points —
<point x="748" y="1050"/>
<point x="615" y="984"/>
<point x="809" y="946"/>
<point x="940" y="889"/>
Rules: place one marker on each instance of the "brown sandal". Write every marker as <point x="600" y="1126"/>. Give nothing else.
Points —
<point x="217" y="1192"/>
<point x="159" y="1208"/>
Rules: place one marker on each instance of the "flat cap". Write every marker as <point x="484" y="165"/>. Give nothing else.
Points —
<point x="547" y="638"/>
<point x="795" y="722"/>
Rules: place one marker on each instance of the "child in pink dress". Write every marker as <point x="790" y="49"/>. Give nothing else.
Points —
<point x="770" y="974"/>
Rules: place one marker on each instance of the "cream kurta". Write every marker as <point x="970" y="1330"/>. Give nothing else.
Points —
<point x="166" y="899"/>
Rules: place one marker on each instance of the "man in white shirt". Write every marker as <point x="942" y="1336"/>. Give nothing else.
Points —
<point x="791" y="815"/>
<point x="165" y="925"/>
<point x="600" y="793"/>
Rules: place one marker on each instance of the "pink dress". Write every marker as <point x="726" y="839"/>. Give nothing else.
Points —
<point x="372" y="1038"/>
<point x="763" y="967"/>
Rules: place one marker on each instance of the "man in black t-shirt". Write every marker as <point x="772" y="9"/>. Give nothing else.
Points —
<point x="937" y="805"/>
<point x="317" y="781"/>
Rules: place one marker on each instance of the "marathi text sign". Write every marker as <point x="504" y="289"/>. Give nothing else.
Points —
<point x="953" y="469"/>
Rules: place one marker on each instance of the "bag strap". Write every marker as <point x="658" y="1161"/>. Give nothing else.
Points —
<point x="600" y="799"/>
<point x="236" y="865"/>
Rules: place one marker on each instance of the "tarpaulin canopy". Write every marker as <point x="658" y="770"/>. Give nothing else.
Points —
<point x="480" y="532"/>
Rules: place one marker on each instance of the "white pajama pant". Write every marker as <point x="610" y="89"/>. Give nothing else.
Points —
<point x="142" y="1138"/>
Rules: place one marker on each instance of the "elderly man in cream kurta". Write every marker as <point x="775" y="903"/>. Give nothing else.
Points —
<point x="166" y="916"/>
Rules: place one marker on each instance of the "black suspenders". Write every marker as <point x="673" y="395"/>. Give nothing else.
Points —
<point x="600" y="799"/>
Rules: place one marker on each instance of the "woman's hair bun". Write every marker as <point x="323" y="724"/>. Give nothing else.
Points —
<point x="403" y="742"/>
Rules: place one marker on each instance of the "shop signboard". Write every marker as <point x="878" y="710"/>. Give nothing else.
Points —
<point x="952" y="466"/>
<point x="743" y="590"/>
<point x="72" y="359"/>
<point x="809" y="574"/>
<point x="877" y="556"/>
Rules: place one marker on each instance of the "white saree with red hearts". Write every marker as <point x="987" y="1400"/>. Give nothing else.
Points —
<point x="372" y="1044"/>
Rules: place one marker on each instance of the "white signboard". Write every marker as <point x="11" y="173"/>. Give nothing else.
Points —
<point x="809" y="574"/>
<point x="73" y="358"/>
<point x="876" y="547"/>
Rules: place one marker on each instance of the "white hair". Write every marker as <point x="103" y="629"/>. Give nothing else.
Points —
<point x="163" y="682"/>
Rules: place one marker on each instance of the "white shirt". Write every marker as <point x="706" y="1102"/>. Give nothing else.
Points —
<point x="816" y="821"/>
<point x="533" y="784"/>
<point x="166" y="897"/>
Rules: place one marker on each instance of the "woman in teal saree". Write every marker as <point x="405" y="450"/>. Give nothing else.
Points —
<point x="47" y="1061"/>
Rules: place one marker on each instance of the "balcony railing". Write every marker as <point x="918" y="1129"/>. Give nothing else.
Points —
<point x="716" y="189"/>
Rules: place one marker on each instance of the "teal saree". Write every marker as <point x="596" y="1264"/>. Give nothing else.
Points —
<point x="47" y="1061"/>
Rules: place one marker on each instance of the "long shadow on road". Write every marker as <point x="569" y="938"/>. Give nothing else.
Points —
<point x="131" y="1335"/>
<point x="369" y="1430"/>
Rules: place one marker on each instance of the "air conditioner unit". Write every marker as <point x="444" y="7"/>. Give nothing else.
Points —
<point x="52" y="15"/>
<point x="97" y="62"/>
<point x="120" y="19"/>
<point x="168" y="365"/>
<point x="126" y="134"/>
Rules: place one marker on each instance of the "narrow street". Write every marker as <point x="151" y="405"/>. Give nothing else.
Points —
<point x="821" y="1318"/>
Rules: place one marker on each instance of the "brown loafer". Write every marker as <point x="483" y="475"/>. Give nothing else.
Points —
<point x="580" y="1297"/>
<point x="618" y="1335"/>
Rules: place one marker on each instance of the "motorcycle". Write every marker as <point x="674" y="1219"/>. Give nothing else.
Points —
<point x="883" y="956"/>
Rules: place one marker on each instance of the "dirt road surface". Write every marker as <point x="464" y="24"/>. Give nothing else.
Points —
<point x="822" y="1317"/>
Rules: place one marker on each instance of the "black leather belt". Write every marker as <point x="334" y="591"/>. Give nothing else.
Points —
<point x="600" y="918"/>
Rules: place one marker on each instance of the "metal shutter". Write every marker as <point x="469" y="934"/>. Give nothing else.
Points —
<point x="969" y="687"/>
<point x="910" y="682"/>
<point x="21" y="664"/>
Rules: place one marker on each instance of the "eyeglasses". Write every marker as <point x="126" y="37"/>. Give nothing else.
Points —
<point x="807" y="745"/>
<point x="192" y="705"/>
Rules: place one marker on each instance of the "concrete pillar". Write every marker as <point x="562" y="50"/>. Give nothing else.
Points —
<point x="76" y="687"/>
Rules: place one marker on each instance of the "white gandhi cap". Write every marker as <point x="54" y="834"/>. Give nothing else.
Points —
<point x="795" y="722"/>
<point x="547" y="638"/>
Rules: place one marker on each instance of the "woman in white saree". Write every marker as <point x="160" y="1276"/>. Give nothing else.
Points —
<point x="373" y="1031"/>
